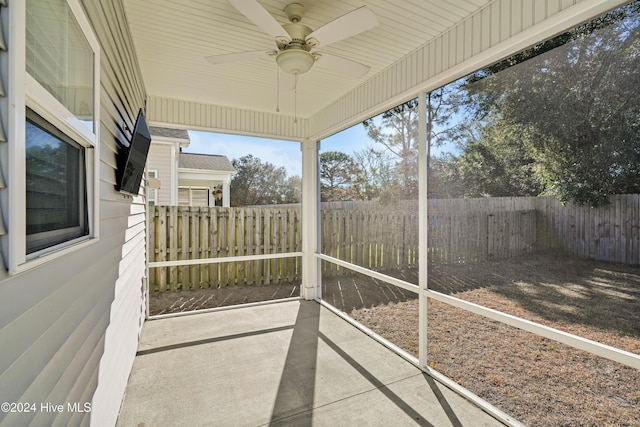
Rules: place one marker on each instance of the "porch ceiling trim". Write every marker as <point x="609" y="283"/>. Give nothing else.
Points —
<point x="193" y="115"/>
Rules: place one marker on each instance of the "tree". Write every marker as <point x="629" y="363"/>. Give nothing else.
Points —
<point x="576" y="98"/>
<point x="292" y="190"/>
<point x="261" y="183"/>
<point x="499" y="163"/>
<point x="397" y="132"/>
<point x="374" y="174"/>
<point x="337" y="175"/>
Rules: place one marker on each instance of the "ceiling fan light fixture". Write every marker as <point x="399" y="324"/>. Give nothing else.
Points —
<point x="295" y="61"/>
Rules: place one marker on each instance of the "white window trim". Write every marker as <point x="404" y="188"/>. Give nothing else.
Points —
<point x="152" y="173"/>
<point x="26" y="91"/>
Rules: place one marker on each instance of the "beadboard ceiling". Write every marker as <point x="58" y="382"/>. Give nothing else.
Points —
<point x="173" y="37"/>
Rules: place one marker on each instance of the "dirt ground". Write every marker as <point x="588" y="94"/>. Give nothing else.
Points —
<point x="176" y="302"/>
<point x="538" y="381"/>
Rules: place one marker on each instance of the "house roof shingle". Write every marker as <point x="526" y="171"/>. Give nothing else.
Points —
<point x="169" y="133"/>
<point x="205" y="161"/>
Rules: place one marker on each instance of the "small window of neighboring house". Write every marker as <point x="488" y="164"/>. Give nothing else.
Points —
<point x="152" y="194"/>
<point x="57" y="202"/>
<point x="188" y="196"/>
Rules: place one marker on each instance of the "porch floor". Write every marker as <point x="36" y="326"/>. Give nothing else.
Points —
<point x="291" y="363"/>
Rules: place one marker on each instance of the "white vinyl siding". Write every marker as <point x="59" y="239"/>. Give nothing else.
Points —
<point x="123" y="218"/>
<point x="160" y="160"/>
<point x="69" y="327"/>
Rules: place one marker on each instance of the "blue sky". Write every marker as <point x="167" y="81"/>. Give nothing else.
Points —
<point x="279" y="153"/>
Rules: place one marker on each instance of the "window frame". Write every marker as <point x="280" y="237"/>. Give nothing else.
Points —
<point x="28" y="93"/>
<point x="51" y="238"/>
<point x="152" y="173"/>
<point x="190" y="189"/>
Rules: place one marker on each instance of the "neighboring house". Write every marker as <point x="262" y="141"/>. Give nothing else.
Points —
<point x="204" y="180"/>
<point x="186" y="179"/>
<point x="162" y="163"/>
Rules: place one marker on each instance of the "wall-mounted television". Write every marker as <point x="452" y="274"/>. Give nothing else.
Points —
<point x="133" y="159"/>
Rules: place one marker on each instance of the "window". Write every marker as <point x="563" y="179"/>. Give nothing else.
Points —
<point x="193" y="196"/>
<point x="59" y="57"/>
<point x="56" y="205"/>
<point x="152" y="195"/>
<point x="53" y="187"/>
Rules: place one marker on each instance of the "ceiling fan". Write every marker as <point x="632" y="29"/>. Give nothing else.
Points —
<point x="296" y="42"/>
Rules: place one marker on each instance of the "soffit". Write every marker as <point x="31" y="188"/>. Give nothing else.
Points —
<point x="172" y="38"/>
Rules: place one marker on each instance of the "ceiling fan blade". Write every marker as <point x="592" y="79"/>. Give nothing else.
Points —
<point x="286" y="82"/>
<point x="350" y="24"/>
<point x="343" y="66"/>
<point x="237" y="56"/>
<point x="259" y="16"/>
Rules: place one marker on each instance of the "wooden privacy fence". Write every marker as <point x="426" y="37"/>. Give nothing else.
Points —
<point x="388" y="240"/>
<point x="185" y="233"/>
<point x="381" y="238"/>
<point x="461" y="237"/>
<point x="607" y="233"/>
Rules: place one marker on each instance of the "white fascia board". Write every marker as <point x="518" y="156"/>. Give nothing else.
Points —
<point x="202" y="174"/>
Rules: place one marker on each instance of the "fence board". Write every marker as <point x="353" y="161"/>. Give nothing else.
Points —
<point x="184" y="253"/>
<point x="172" y="222"/>
<point x="204" y="246"/>
<point x="214" y="246"/>
<point x="162" y="249"/>
<point x="267" y="245"/>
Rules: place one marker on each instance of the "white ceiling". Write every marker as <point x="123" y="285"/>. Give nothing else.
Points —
<point x="172" y="38"/>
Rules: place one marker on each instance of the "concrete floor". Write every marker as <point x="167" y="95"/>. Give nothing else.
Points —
<point x="291" y="364"/>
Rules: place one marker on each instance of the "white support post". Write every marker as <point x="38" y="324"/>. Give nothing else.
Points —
<point x="226" y="194"/>
<point x="311" y="278"/>
<point x="423" y="229"/>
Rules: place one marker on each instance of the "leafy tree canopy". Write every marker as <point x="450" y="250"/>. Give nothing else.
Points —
<point x="578" y="105"/>
<point x="337" y="176"/>
<point x="262" y="183"/>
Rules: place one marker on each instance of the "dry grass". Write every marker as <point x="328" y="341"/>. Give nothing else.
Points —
<point x="199" y="299"/>
<point x="536" y="380"/>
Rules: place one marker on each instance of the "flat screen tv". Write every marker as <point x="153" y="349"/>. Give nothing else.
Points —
<point x="134" y="158"/>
